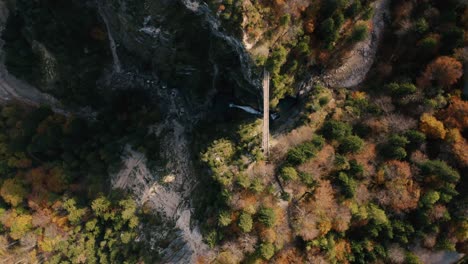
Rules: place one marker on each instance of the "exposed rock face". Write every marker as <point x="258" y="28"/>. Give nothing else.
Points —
<point x="354" y="68"/>
<point x="12" y="88"/>
<point x="181" y="42"/>
<point x="167" y="190"/>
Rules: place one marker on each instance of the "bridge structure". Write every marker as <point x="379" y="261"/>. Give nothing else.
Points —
<point x="266" y="114"/>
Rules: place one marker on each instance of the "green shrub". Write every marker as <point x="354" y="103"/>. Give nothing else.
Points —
<point x="445" y="244"/>
<point x="289" y="174"/>
<point x="407" y="88"/>
<point x="267" y="250"/>
<point x="341" y="163"/>
<point x="353" y="9"/>
<point x="302" y="152"/>
<point x="285" y="20"/>
<point x="211" y="238"/>
<point x="429" y="44"/>
<point x="336" y="130"/>
<point x="224" y="218"/>
<point x="421" y="26"/>
<point x="411" y="258"/>
<point x="276" y="60"/>
<point x="360" y="32"/>
<point x="395" y="147"/>
<point x="328" y="29"/>
<point x="295" y="156"/>
<point x="257" y="185"/>
<point x="349" y="184"/>
<point x="415" y="138"/>
<point x="245" y="222"/>
<point x="451" y="39"/>
<point x="338" y="18"/>
<point x="308" y="149"/>
<point x="401" y="89"/>
<point x="303" y="48"/>
<point x="318" y="141"/>
<point x="441" y="170"/>
<point x="377" y="214"/>
<point x="324" y="100"/>
<point x="397" y="153"/>
<point x="307" y="179"/>
<point x="351" y="144"/>
<point x="397" y="140"/>
<point x="355" y="169"/>
<point x="392" y="87"/>
<point x="430" y="198"/>
<point x="267" y="217"/>
<point x="243" y="180"/>
<point x="368" y="13"/>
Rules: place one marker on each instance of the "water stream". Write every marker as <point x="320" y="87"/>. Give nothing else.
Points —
<point x="113" y="46"/>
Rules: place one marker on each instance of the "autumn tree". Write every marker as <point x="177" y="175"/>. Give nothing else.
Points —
<point x="21" y="225"/>
<point x="445" y="71"/>
<point x="315" y="216"/>
<point x="267" y="250"/>
<point x="459" y="145"/>
<point x="74" y="214"/>
<point x="432" y="127"/>
<point x="13" y="191"/>
<point x="101" y="206"/>
<point x="401" y="193"/>
<point x="456" y="114"/>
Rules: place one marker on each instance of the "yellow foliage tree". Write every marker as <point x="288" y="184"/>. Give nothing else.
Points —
<point x="21" y="225"/>
<point x="459" y="145"/>
<point x="13" y="192"/>
<point x="432" y="127"/>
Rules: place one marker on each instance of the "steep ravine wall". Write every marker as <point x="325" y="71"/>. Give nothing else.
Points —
<point x="182" y="42"/>
<point x="12" y="88"/>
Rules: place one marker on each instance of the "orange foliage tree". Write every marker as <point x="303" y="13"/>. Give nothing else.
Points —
<point x="316" y="216"/>
<point x="401" y="193"/>
<point x="456" y="114"/>
<point x="444" y="70"/>
<point x="459" y="146"/>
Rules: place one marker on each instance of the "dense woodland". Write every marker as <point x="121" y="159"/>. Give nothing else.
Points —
<point x="373" y="171"/>
<point x="367" y="174"/>
<point x="56" y="202"/>
<point x="297" y="38"/>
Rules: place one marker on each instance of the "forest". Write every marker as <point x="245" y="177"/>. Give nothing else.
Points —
<point x="370" y="173"/>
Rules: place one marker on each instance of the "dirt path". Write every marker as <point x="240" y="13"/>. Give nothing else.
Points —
<point x="354" y="69"/>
